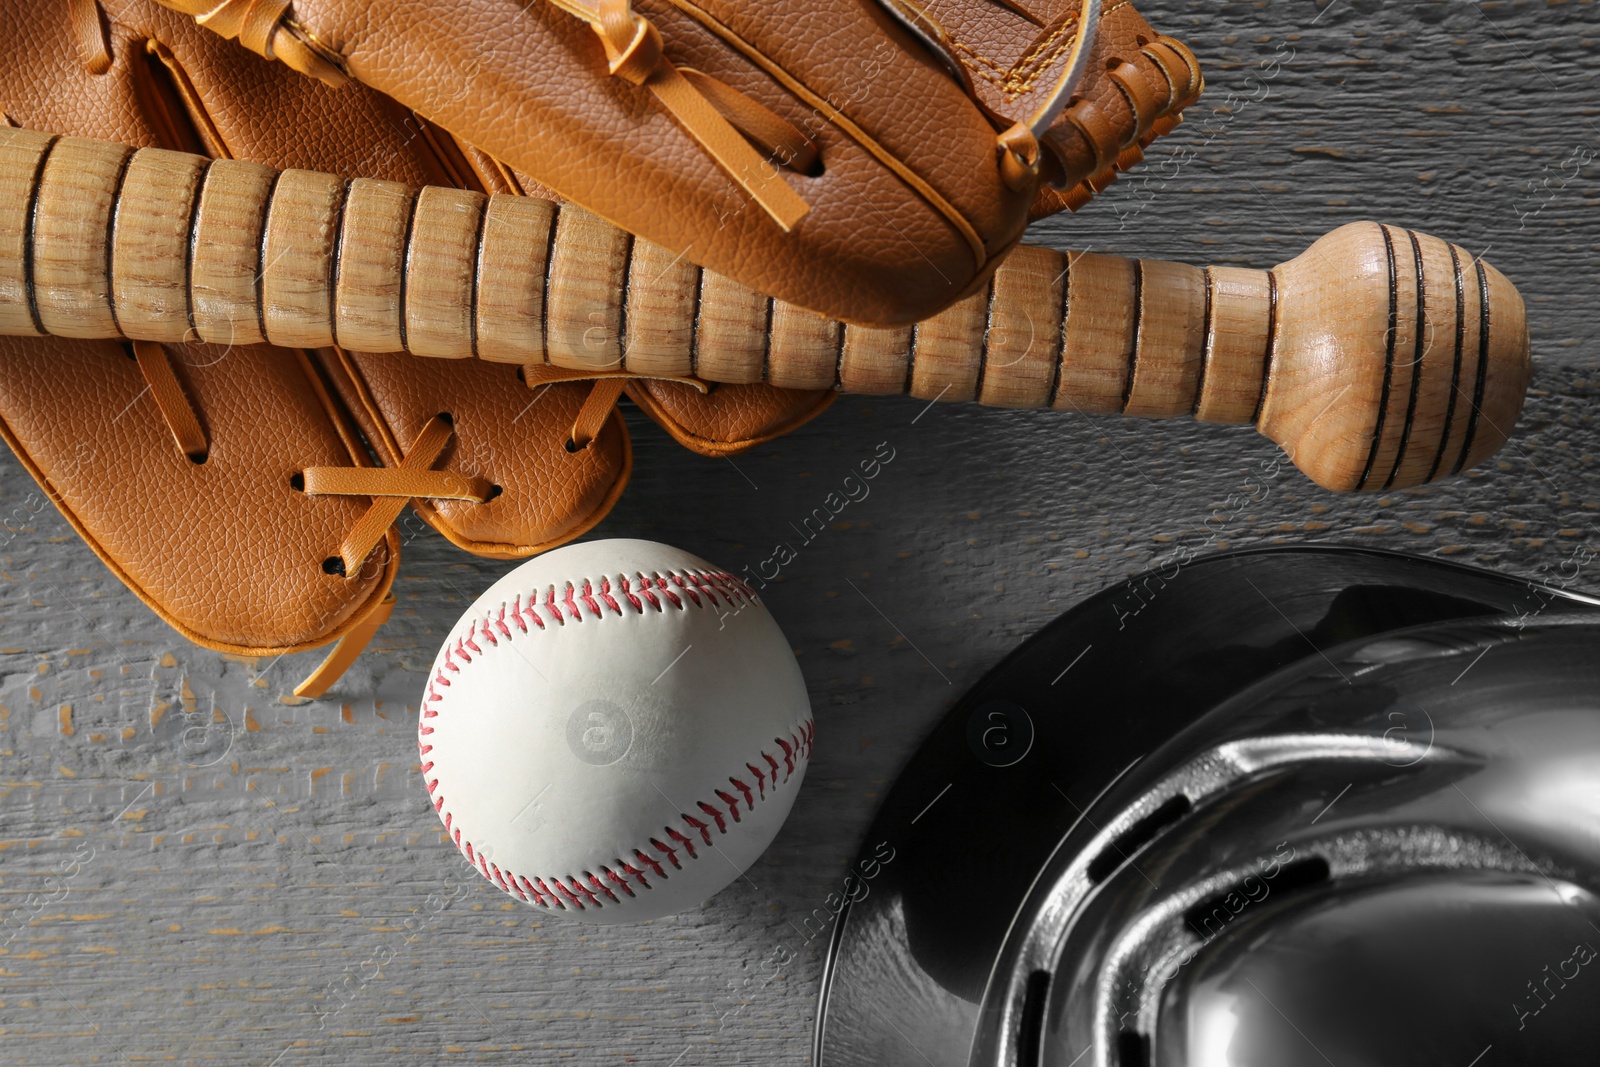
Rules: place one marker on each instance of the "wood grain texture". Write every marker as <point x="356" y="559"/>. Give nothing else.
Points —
<point x="662" y="298"/>
<point x="20" y="160"/>
<point x="1101" y="332"/>
<point x="946" y="362"/>
<point x="440" y="286"/>
<point x="1171" y="347"/>
<point x="1238" y="337"/>
<point x="293" y="898"/>
<point x="583" y="308"/>
<point x="297" y="265"/>
<point x="150" y="256"/>
<point x="732" y="331"/>
<point x="516" y="246"/>
<point x="227" y="257"/>
<point x="1341" y="381"/>
<point x="372" y="251"/>
<point x="71" y="268"/>
<point x="874" y="360"/>
<point x="805" y="348"/>
<point x="1023" y="344"/>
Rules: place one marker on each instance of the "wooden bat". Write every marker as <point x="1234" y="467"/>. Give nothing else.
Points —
<point x="1380" y="358"/>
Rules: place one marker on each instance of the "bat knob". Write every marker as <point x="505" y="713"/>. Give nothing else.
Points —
<point x="1396" y="358"/>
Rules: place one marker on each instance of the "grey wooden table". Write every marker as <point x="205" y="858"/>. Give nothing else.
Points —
<point x="256" y="881"/>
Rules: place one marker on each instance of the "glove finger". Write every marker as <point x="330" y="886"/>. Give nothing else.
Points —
<point x="226" y="550"/>
<point x="730" y="419"/>
<point x="247" y="108"/>
<point x="907" y="212"/>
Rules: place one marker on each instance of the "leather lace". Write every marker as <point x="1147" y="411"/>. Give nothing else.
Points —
<point x="1020" y="154"/>
<point x="267" y="28"/>
<point x="389" y="489"/>
<point x="89" y="34"/>
<point x="602" y="398"/>
<point x="633" y="49"/>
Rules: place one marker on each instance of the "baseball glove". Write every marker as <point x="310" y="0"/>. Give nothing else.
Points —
<point x="249" y="494"/>
<point x="871" y="160"/>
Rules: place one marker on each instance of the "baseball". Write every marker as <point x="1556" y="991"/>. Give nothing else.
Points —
<point x="614" y="731"/>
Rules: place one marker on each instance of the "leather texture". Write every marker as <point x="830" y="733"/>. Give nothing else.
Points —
<point x="227" y="551"/>
<point x="162" y="80"/>
<point x="727" y="420"/>
<point x="908" y="209"/>
<point x="512" y="436"/>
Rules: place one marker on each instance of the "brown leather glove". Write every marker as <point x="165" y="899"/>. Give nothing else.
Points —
<point x="870" y="161"/>
<point x="231" y="488"/>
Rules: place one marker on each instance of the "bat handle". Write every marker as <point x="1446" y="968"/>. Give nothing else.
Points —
<point x="1378" y="359"/>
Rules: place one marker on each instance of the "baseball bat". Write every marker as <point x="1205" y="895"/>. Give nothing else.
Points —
<point x="1380" y="358"/>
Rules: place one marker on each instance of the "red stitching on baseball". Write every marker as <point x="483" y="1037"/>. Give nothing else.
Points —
<point x="702" y="589"/>
<point x="595" y="881"/>
<point x="561" y="891"/>
<point x="617" y="879"/>
<point x="594" y="901"/>
<point x="688" y="843"/>
<point x="716" y="817"/>
<point x="648" y="861"/>
<point x="545" y="890"/>
<point x="749" y="797"/>
<point x="693" y="595"/>
<point x="649" y="593"/>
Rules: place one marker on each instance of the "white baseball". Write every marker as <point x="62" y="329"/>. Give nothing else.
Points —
<point x="614" y="730"/>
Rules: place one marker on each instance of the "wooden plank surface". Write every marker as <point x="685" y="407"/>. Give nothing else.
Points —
<point x="248" y="880"/>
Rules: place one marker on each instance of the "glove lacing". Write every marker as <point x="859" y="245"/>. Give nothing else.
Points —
<point x="388" y="487"/>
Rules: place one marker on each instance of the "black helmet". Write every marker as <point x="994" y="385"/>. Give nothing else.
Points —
<point x="1267" y="809"/>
